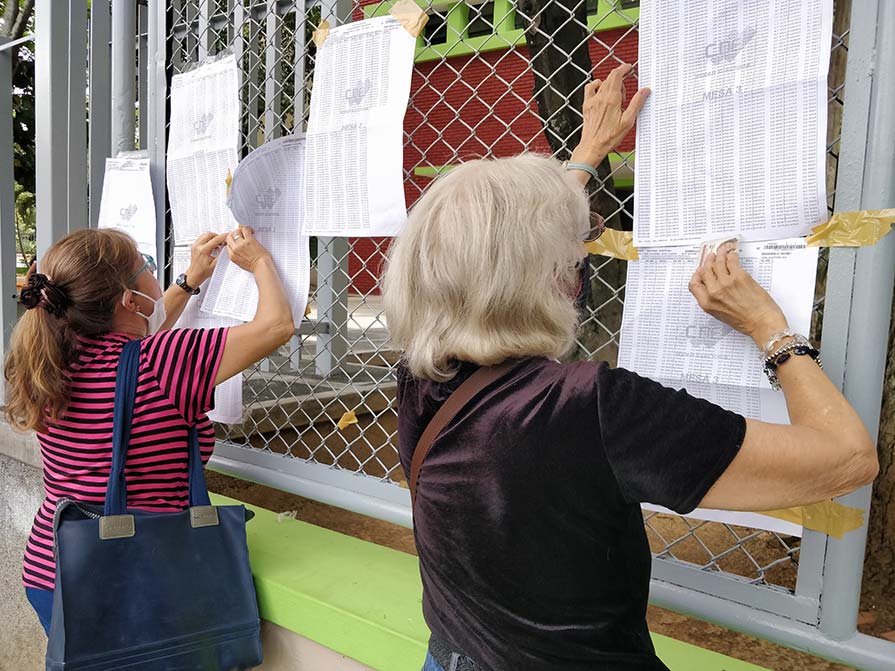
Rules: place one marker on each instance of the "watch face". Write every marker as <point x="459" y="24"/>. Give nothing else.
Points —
<point x="181" y="282"/>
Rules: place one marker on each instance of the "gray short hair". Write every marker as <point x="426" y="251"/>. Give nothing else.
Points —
<point x="484" y="269"/>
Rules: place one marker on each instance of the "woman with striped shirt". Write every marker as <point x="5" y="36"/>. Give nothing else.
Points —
<point x="95" y="293"/>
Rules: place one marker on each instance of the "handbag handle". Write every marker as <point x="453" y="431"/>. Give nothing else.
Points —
<point x="449" y="409"/>
<point x="125" y="396"/>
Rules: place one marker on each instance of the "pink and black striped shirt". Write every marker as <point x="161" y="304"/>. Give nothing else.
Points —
<point x="175" y="391"/>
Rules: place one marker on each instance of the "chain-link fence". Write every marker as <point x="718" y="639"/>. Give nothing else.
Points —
<point x="478" y="90"/>
<point x="491" y="78"/>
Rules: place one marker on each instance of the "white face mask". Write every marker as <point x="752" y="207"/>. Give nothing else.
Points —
<point x="157" y="318"/>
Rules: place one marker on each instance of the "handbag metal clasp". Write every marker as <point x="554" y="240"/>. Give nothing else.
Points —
<point x="116" y="526"/>
<point x="203" y="516"/>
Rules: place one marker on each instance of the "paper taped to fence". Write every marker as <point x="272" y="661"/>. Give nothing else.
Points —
<point x="202" y="148"/>
<point x="732" y="139"/>
<point x="666" y="336"/>
<point x="127" y="203"/>
<point x="786" y="527"/>
<point x="355" y="151"/>
<point x="266" y="195"/>
<point x="227" y="395"/>
<point x="853" y="229"/>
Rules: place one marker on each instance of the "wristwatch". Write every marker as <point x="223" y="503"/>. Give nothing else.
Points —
<point x="182" y="283"/>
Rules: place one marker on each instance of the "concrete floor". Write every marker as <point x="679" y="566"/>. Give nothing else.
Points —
<point x="22" y="640"/>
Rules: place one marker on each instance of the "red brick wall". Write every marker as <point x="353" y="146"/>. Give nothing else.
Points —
<point x="473" y="106"/>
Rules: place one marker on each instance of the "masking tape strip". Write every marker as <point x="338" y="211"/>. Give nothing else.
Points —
<point x="321" y="33"/>
<point x="409" y="15"/>
<point x="614" y="243"/>
<point x="827" y="517"/>
<point x="852" y="229"/>
<point x="228" y="180"/>
<point x="347" y="420"/>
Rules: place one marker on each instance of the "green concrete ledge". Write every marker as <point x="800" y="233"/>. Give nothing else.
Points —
<point x="364" y="600"/>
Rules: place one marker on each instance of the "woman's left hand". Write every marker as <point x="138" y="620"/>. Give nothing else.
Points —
<point x="605" y="122"/>
<point x="203" y="258"/>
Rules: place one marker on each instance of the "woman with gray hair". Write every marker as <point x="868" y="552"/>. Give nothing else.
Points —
<point x="527" y="474"/>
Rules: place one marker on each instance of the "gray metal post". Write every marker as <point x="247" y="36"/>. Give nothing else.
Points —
<point x="51" y="121"/>
<point x="332" y="304"/>
<point x="100" y="100"/>
<point x="7" y="208"/>
<point x="124" y="36"/>
<point x="143" y="88"/>
<point x="332" y="261"/>
<point x="273" y="41"/>
<point x="156" y="106"/>
<point x="203" y="29"/>
<point x="298" y="98"/>
<point x="77" y="115"/>
<point x="868" y="150"/>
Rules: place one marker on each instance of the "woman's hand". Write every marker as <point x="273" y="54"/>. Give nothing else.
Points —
<point x="605" y="122"/>
<point x="203" y="258"/>
<point x="245" y="251"/>
<point x="726" y="291"/>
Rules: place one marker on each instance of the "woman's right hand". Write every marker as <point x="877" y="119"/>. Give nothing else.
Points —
<point x="727" y="292"/>
<point x="606" y="121"/>
<point x="245" y="251"/>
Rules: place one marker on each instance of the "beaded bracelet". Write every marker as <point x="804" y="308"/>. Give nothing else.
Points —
<point x="783" y="355"/>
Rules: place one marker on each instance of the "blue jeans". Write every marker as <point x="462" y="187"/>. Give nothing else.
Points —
<point x="42" y="602"/>
<point x="431" y="664"/>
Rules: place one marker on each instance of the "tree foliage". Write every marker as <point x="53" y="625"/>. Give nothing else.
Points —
<point x="17" y="21"/>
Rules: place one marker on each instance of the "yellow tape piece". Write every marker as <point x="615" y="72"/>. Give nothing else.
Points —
<point x="228" y="180"/>
<point x="409" y="15"/>
<point x="827" y="517"/>
<point x="852" y="229"/>
<point x="321" y="33"/>
<point x="614" y="243"/>
<point x="347" y="420"/>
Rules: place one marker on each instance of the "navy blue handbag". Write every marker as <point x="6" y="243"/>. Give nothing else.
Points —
<point x="151" y="591"/>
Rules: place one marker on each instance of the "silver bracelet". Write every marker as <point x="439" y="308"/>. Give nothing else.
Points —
<point x="787" y="333"/>
<point x="583" y="167"/>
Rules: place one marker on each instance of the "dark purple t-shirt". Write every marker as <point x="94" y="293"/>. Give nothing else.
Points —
<point x="532" y="549"/>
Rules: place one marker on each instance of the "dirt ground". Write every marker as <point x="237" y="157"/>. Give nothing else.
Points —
<point x="763" y="548"/>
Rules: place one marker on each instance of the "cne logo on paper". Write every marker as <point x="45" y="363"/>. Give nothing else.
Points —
<point x="200" y="125"/>
<point x="726" y="51"/>
<point x="128" y="212"/>
<point x="268" y="198"/>
<point x="358" y="93"/>
<point x="707" y="335"/>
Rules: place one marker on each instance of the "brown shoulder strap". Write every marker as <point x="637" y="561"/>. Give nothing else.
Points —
<point x="449" y="409"/>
